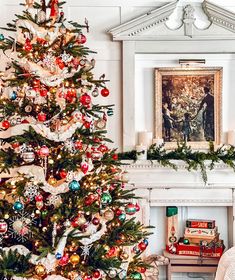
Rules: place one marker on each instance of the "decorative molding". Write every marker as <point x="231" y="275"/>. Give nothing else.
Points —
<point x="147" y="21"/>
<point x="135" y="28"/>
<point x="188" y="19"/>
<point x="219" y="16"/>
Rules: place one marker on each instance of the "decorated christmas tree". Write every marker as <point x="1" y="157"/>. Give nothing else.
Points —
<point x="64" y="212"/>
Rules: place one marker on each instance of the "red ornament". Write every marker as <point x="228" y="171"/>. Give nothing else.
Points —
<point x="84" y="167"/>
<point x="54" y="8"/>
<point x="43" y="92"/>
<point x="85" y="99"/>
<point x="44" y="151"/>
<point x="62" y="14"/>
<point x="28" y="46"/>
<point x="64" y="260"/>
<point x="6" y="124"/>
<point x="15" y="145"/>
<point x="36" y="83"/>
<point x="103" y="148"/>
<point x="96" y="274"/>
<point x="87" y="125"/>
<point x="142" y="246"/>
<point x="115" y="156"/>
<point x="118" y="212"/>
<point x="105" y="92"/>
<point x="78" y="145"/>
<point x="42" y="117"/>
<point x="39" y="198"/>
<point x="95" y="221"/>
<point x="89" y="199"/>
<point x="3" y="227"/>
<point x="142" y="269"/>
<point x="81" y="39"/>
<point x="60" y="63"/>
<point x="63" y="174"/>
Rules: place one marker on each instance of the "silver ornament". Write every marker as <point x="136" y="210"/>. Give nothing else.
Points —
<point x="122" y="274"/>
<point x="28" y="108"/>
<point x="100" y="123"/>
<point x="95" y="92"/>
<point x="28" y="157"/>
<point x="113" y="273"/>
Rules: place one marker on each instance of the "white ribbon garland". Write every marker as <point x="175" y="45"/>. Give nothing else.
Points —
<point x="43" y="130"/>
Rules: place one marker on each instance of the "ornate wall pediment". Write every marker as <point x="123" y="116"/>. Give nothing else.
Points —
<point x="155" y="24"/>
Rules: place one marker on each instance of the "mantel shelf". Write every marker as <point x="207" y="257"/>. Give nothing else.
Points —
<point x="151" y="174"/>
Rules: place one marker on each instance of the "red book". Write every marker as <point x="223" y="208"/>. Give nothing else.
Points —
<point x="200" y="224"/>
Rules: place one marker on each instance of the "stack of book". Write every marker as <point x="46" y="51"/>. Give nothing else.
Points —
<point x="201" y="232"/>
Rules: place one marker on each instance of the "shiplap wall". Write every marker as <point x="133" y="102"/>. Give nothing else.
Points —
<point x="102" y="16"/>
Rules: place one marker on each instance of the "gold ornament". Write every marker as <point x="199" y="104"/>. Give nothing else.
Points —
<point x="40" y="270"/>
<point x="74" y="259"/>
<point x="52" y="181"/>
<point x="55" y="218"/>
<point x="109" y="215"/>
<point x="124" y="255"/>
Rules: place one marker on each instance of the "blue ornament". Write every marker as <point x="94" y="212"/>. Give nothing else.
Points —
<point x="146" y="242"/>
<point x="122" y="217"/>
<point x="70" y="46"/>
<point x="2" y="37"/>
<point x="18" y="206"/>
<point x="13" y="95"/>
<point x="58" y="256"/>
<point x="74" y="185"/>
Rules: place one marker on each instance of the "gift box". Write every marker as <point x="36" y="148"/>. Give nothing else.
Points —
<point x="197" y="239"/>
<point x="214" y="251"/>
<point x="200" y="223"/>
<point x="201" y="231"/>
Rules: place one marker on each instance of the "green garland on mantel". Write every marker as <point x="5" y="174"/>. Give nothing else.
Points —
<point x="196" y="160"/>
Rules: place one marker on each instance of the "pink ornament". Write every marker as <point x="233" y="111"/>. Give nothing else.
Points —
<point x="44" y="151"/>
<point x="81" y="39"/>
<point x="64" y="260"/>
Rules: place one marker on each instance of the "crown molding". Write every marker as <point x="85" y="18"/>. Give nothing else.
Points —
<point x="219" y="16"/>
<point x="142" y="23"/>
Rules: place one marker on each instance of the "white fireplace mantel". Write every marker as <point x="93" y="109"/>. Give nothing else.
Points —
<point x="163" y="186"/>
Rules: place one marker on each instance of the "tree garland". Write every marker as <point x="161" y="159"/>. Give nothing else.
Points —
<point x="196" y="160"/>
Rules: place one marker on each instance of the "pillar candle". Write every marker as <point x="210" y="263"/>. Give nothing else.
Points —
<point x="141" y="152"/>
<point x="231" y="137"/>
<point x="145" y="138"/>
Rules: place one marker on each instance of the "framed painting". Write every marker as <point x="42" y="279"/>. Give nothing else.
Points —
<point x="188" y="106"/>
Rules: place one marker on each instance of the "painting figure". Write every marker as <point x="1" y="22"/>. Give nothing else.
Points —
<point x="207" y="105"/>
<point x="167" y="121"/>
<point x="186" y="127"/>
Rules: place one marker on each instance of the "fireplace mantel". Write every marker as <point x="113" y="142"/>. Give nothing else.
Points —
<point x="164" y="186"/>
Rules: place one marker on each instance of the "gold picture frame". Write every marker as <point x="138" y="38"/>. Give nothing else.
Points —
<point x="188" y="106"/>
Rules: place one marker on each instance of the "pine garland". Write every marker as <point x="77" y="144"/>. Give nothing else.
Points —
<point x="195" y="160"/>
